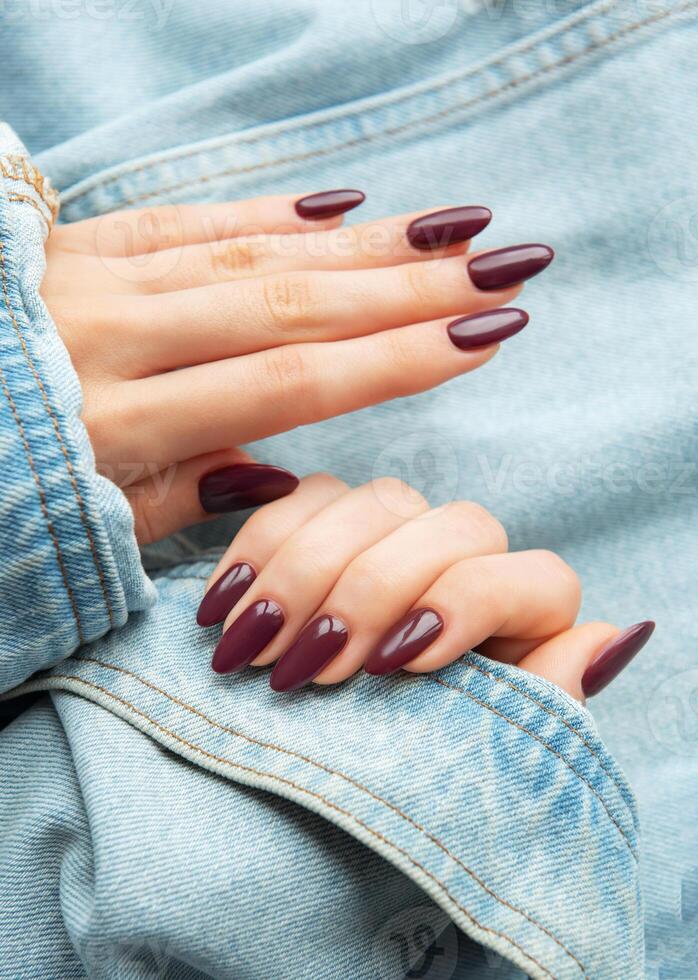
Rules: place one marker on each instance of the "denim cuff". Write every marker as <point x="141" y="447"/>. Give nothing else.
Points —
<point x="70" y="568"/>
<point x="487" y="786"/>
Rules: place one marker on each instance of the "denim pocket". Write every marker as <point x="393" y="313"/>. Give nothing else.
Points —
<point x="489" y="788"/>
<point x="212" y="169"/>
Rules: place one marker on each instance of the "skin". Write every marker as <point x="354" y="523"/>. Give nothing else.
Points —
<point x="351" y="553"/>
<point x="186" y="323"/>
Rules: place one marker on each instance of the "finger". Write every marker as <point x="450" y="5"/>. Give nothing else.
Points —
<point x="177" y="496"/>
<point x="302" y="572"/>
<point x="259" y="539"/>
<point x="200" y="325"/>
<point x="582" y="661"/>
<point x="376" y="244"/>
<point x="145" y="230"/>
<point x="182" y="414"/>
<point x="523" y="594"/>
<point x="381" y="584"/>
<point x="200" y="409"/>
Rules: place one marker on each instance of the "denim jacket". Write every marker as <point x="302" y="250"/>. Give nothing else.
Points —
<point x="159" y="820"/>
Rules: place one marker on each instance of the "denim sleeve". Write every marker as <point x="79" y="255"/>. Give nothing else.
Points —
<point x="330" y="833"/>
<point x="70" y="569"/>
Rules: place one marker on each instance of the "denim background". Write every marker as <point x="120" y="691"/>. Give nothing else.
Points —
<point x="576" y="124"/>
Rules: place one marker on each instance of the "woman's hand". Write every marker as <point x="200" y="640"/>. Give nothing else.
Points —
<point x="335" y="580"/>
<point x="195" y="329"/>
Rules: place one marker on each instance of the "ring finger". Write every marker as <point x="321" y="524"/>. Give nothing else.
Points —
<point x="520" y="594"/>
<point x="423" y="235"/>
<point x="211" y="323"/>
<point x="301" y="573"/>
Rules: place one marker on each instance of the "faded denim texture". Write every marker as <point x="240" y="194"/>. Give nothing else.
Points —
<point x="481" y="796"/>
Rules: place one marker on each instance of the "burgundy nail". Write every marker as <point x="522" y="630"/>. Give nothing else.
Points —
<point x="615" y="656"/>
<point x="248" y="636"/>
<point x="509" y="266"/>
<point x="224" y="594"/>
<point x="312" y="650"/>
<point x="244" y="485"/>
<point x="447" y="227"/>
<point x="482" y="329"/>
<point x="404" y="641"/>
<point x="328" y="204"/>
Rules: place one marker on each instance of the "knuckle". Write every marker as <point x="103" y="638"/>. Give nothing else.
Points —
<point x="363" y="580"/>
<point x="392" y="488"/>
<point x="471" y="517"/>
<point x="556" y="566"/>
<point x="326" y="482"/>
<point x="233" y="256"/>
<point x="286" y="371"/>
<point x="418" y="279"/>
<point x="290" y="302"/>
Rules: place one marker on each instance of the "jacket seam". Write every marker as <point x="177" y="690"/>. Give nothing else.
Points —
<point x="27" y="173"/>
<point x="481" y="670"/>
<point x="32" y="465"/>
<point x="342" y="775"/>
<point x="553" y="714"/>
<point x="56" y="428"/>
<point x="390" y="132"/>
<point x="322" y="799"/>
<point x="437" y="86"/>
<point x="522" y="728"/>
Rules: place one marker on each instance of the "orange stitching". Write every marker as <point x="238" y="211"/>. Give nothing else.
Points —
<point x="309" y="792"/>
<point x="342" y="775"/>
<point x="56" y="429"/>
<point x="42" y="496"/>
<point x="178" y="157"/>
<point x="25" y="199"/>
<point x="489" y="707"/>
<point x="388" y="133"/>
<point x="552" y="713"/>
<point x="15" y="168"/>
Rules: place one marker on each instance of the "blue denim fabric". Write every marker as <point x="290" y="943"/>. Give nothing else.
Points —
<point x="576" y="130"/>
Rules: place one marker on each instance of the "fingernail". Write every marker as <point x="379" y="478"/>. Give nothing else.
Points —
<point x="328" y="204"/>
<point x="312" y="650"/>
<point x="244" y="485"/>
<point x="615" y="656"/>
<point x="224" y="594"/>
<point x="482" y="329"/>
<point x="447" y="227"/>
<point x="509" y="266"/>
<point x="404" y="641"/>
<point x="248" y="636"/>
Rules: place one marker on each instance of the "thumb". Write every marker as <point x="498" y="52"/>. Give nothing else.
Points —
<point x="202" y="487"/>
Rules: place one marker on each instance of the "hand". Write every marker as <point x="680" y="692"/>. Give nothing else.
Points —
<point x="195" y="329"/>
<point x="335" y="580"/>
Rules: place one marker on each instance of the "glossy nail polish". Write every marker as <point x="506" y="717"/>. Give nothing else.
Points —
<point x="614" y="657"/>
<point x="247" y="637"/>
<point x="225" y="593"/>
<point x="509" y="266"/>
<point x="244" y="485"/>
<point x="483" y="329"/>
<point x="404" y="641"/>
<point x="447" y="227"/>
<point x="328" y="204"/>
<point x="310" y="652"/>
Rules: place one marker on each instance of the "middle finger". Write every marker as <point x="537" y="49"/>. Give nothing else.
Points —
<point x="214" y="322"/>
